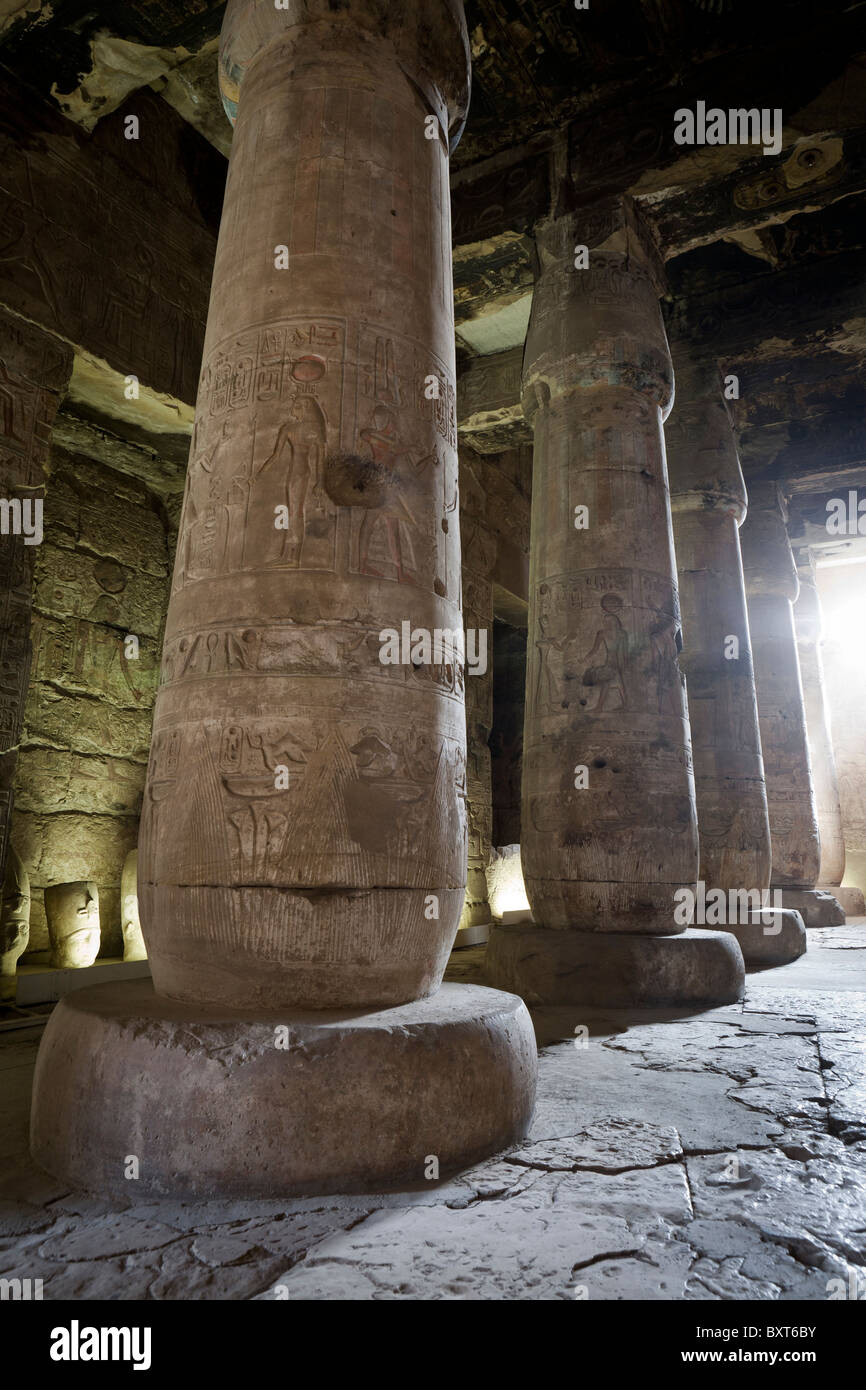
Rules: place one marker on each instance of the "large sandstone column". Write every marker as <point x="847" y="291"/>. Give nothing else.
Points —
<point x="609" y="833"/>
<point x="772" y="587"/>
<point x="478" y="546"/>
<point x="708" y="502"/>
<point x="809" y="628"/>
<point x="303" y="843"/>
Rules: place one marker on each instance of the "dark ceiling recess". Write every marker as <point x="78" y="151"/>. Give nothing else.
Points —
<point x="537" y="64"/>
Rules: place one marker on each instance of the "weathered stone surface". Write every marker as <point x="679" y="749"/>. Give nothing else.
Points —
<point x="72" y="913"/>
<point x="828" y="809"/>
<point x="66" y="847"/>
<point x="14" y="922"/>
<point x="141" y="311"/>
<point x="774" y="937"/>
<point x="604" y="690"/>
<point x="772" y="586"/>
<point x="817" y="908"/>
<point x="478" y="547"/>
<point x="842" y="600"/>
<point x="849" y="898"/>
<point x="34" y="369"/>
<point x="708" y="503"/>
<point x="96" y="629"/>
<point x="134" y="947"/>
<point x="562" y="967"/>
<point x="635" y="1132"/>
<point x="327" y="904"/>
<point x="290" y="1102"/>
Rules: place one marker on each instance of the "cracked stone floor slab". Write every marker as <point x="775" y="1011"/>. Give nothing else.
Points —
<point x="719" y="1155"/>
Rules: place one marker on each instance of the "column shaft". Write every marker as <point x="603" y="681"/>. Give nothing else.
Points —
<point x="708" y="499"/>
<point x="478" y="547"/>
<point x="321" y="510"/>
<point x="828" y="808"/>
<point x="303" y="850"/>
<point x="772" y="586"/>
<point x="604" y="689"/>
<point x="609" y="831"/>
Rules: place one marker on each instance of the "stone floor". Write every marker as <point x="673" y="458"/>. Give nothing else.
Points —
<point x="712" y="1156"/>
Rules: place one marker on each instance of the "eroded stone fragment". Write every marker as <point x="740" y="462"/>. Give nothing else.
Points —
<point x="72" y="912"/>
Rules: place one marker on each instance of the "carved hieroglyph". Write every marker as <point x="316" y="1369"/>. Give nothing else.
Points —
<point x="604" y="689"/>
<point x="303" y="835"/>
<point x="808" y="627"/>
<point x="772" y="586"/>
<point x="34" y="370"/>
<point x="708" y="501"/>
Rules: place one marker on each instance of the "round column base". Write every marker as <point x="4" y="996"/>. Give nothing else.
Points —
<point x="817" y="907"/>
<point x="546" y="966"/>
<point x="774" y="937"/>
<point x="849" y="898"/>
<point x="288" y="1103"/>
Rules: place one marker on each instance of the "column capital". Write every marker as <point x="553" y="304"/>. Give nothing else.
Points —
<point x="595" y="317"/>
<point x="768" y="562"/>
<point x="703" y="464"/>
<point x="428" y="38"/>
<point x="808" y="619"/>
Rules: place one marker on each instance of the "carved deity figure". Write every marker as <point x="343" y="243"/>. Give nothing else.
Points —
<point x="610" y="651"/>
<point x="72" y="911"/>
<point x="291" y="475"/>
<point x="392" y="522"/>
<point x="133" y="941"/>
<point x="14" y="923"/>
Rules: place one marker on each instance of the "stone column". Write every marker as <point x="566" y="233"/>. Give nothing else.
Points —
<point x="772" y="587"/>
<point x="303" y="843"/>
<point x="34" y="371"/>
<point x="808" y="625"/>
<point x="478" y="547"/>
<point x="609" y="833"/>
<point x="708" y="502"/>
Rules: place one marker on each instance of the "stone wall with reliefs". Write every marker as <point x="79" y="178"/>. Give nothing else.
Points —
<point x="34" y="370"/>
<point x="101" y="576"/>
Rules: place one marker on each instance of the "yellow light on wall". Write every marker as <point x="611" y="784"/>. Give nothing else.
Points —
<point x="505" y="890"/>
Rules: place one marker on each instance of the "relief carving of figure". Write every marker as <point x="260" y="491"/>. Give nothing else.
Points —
<point x="204" y="523"/>
<point x="611" y="653"/>
<point x="665" y="668"/>
<point x="386" y="530"/>
<point x="291" y="475"/>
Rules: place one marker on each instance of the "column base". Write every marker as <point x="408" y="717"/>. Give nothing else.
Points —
<point x="849" y="898"/>
<point x="817" y="907"/>
<point x="476" y="935"/>
<point x="773" y="938"/>
<point x="288" y="1103"/>
<point x="547" y="966"/>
